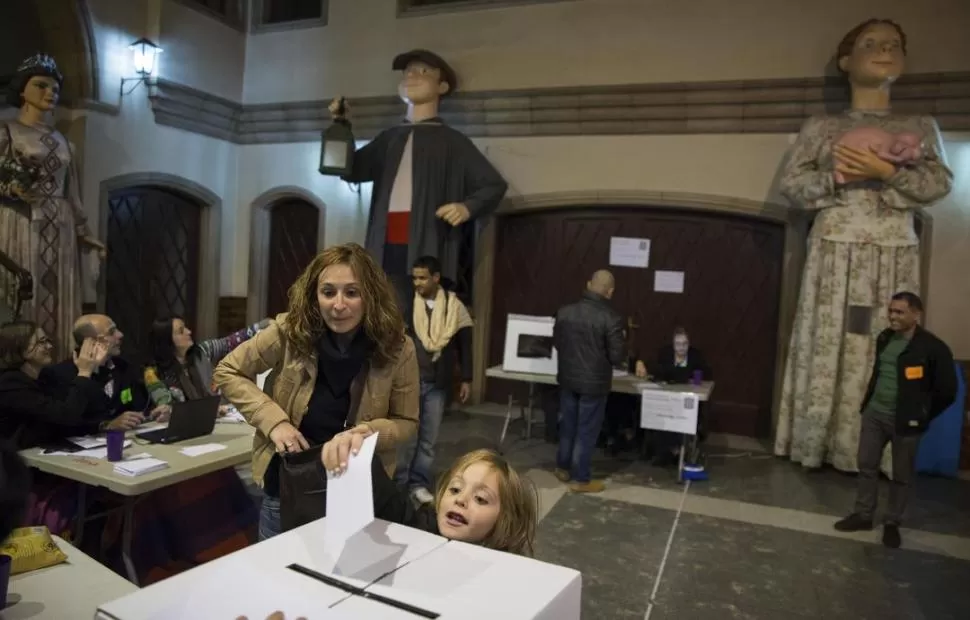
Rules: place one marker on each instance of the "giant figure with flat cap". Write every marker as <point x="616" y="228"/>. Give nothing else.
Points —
<point x="429" y="178"/>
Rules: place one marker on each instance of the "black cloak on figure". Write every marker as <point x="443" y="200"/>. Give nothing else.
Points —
<point x="446" y="167"/>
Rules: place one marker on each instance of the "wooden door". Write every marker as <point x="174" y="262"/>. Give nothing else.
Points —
<point x="732" y="269"/>
<point x="152" y="270"/>
<point x="293" y="226"/>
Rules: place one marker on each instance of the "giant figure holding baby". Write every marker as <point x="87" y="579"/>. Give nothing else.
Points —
<point x="865" y="173"/>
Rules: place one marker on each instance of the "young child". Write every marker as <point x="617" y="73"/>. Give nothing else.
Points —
<point x="481" y="499"/>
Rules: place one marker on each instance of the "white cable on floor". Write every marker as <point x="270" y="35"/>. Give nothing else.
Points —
<point x="670" y="542"/>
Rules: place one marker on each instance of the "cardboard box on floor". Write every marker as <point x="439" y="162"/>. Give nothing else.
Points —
<point x="390" y="561"/>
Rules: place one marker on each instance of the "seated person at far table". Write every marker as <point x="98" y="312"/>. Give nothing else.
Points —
<point x="182" y="368"/>
<point x="31" y="415"/>
<point x="122" y="390"/>
<point x="676" y="363"/>
<point x="480" y="499"/>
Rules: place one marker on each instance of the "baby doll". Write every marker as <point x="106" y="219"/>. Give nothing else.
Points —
<point x="900" y="149"/>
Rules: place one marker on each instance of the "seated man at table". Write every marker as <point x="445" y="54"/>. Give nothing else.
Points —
<point x="121" y="381"/>
<point x="676" y="363"/>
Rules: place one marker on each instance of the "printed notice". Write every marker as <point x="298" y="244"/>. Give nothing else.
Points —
<point x="675" y="412"/>
<point x="668" y="281"/>
<point x="629" y="252"/>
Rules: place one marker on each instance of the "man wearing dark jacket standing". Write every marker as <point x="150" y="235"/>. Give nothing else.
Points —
<point x="589" y="340"/>
<point x="441" y="327"/>
<point x="913" y="380"/>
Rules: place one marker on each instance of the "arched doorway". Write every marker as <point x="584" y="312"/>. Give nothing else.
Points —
<point x="154" y="236"/>
<point x="286" y="232"/>
<point x="293" y="235"/>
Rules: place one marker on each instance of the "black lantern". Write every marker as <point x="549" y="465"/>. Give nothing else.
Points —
<point x="337" y="146"/>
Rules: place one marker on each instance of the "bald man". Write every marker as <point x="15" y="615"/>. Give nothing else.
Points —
<point x="589" y="338"/>
<point x="124" y="397"/>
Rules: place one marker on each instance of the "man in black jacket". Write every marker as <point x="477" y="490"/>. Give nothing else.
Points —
<point x="913" y="380"/>
<point x="588" y="336"/>
<point x="123" y="393"/>
<point x="442" y="331"/>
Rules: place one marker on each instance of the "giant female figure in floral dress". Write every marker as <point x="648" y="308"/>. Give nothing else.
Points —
<point x="862" y="247"/>
<point x="42" y="223"/>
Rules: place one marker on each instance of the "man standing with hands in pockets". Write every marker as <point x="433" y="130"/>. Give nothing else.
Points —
<point x="913" y="380"/>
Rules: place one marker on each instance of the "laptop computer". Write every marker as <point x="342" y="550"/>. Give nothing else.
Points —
<point x="190" y="419"/>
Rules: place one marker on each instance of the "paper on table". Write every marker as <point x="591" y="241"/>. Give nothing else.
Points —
<point x="89" y="441"/>
<point x="205" y="448"/>
<point x="350" y="499"/>
<point x="93" y="453"/>
<point x="628" y="252"/>
<point x="232" y="417"/>
<point x="139" y="467"/>
<point x="668" y="281"/>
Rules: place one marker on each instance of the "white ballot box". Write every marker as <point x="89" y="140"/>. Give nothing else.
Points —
<point x="384" y="571"/>
<point x="528" y="345"/>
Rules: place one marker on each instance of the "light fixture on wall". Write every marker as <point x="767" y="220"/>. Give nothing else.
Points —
<point x="144" y="55"/>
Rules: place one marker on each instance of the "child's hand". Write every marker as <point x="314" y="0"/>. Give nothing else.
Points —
<point x="337" y="451"/>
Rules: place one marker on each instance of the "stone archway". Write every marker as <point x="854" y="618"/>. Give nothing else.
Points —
<point x="259" y="237"/>
<point x="209" y="232"/>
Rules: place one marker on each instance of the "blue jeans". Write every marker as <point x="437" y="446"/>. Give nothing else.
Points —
<point x="581" y="417"/>
<point x="269" y="518"/>
<point x="415" y="458"/>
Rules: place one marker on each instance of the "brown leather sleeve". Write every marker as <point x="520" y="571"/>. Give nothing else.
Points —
<point x="235" y="377"/>
<point x="404" y="402"/>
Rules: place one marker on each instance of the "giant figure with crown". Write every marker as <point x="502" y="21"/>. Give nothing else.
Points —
<point x="42" y="223"/>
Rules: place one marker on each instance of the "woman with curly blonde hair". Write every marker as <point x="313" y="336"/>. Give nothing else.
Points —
<point x="341" y="363"/>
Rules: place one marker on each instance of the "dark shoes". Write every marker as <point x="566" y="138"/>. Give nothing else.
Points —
<point x="890" y="536"/>
<point x="857" y="523"/>
<point x="854" y="523"/>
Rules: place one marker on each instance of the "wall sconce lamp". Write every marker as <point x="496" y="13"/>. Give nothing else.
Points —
<point x="144" y="54"/>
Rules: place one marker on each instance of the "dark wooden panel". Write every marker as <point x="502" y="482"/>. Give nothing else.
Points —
<point x="733" y="271"/>
<point x="153" y="261"/>
<point x="292" y="245"/>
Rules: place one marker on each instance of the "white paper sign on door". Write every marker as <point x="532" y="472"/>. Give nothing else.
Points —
<point x="629" y="252"/>
<point x="668" y="281"/>
<point x="675" y="412"/>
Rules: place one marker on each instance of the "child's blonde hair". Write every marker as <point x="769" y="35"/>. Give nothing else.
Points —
<point x="515" y="528"/>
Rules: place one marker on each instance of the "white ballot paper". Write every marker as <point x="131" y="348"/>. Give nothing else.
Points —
<point x="350" y="499"/>
<point x="629" y="252"/>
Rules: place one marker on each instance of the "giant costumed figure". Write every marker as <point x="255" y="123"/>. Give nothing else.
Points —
<point x="864" y="176"/>
<point x="429" y="179"/>
<point x="42" y="223"/>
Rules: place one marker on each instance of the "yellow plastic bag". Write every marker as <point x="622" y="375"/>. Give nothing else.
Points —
<point x="31" y="548"/>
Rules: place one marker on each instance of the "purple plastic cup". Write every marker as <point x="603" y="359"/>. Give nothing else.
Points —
<point x="5" y="564"/>
<point x="698" y="377"/>
<point x="116" y="445"/>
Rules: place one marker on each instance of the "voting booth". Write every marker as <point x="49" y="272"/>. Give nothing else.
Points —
<point x="528" y="345"/>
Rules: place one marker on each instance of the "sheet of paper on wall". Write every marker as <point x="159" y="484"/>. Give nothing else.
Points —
<point x="629" y="252"/>
<point x="668" y="281"/>
<point x="350" y="499"/>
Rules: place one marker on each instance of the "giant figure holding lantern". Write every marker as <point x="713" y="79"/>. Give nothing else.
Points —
<point x="429" y="179"/>
<point x="862" y="247"/>
<point x="42" y="222"/>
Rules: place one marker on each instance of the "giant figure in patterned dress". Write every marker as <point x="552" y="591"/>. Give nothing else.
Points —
<point x="42" y="223"/>
<point x="862" y="248"/>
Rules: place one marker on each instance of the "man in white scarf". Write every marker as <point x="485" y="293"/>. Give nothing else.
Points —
<point x="442" y="330"/>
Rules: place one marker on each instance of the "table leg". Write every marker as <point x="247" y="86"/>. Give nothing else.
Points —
<point x="680" y="464"/>
<point x="529" y="411"/>
<point x="505" y="426"/>
<point x="82" y="514"/>
<point x="128" y="525"/>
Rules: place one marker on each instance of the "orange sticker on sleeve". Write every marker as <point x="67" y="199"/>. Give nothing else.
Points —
<point x="914" y="372"/>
